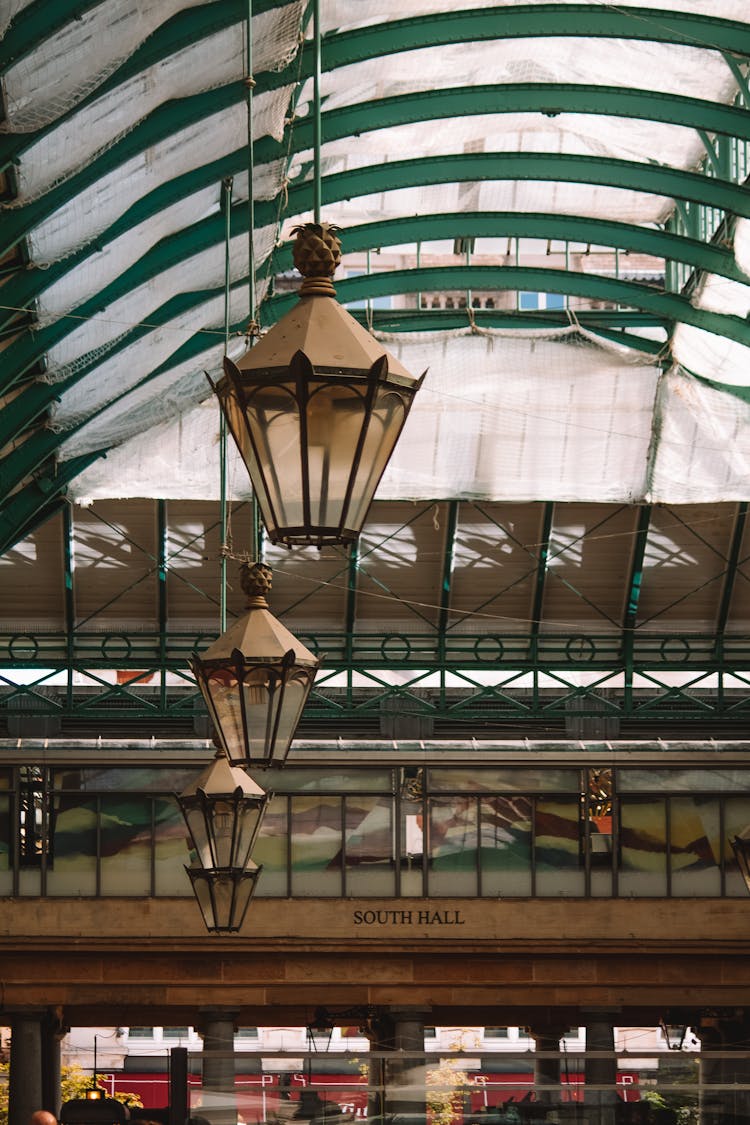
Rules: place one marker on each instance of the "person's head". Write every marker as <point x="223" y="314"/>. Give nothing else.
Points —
<point x="42" y="1117"/>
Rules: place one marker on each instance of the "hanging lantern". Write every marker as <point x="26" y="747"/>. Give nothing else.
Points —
<point x="223" y="895"/>
<point x="223" y="811"/>
<point x="316" y="408"/>
<point x="255" y="679"/>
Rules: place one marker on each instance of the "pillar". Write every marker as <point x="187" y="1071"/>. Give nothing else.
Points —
<point x="547" y="1070"/>
<point x="219" y="1101"/>
<point x="602" y="1072"/>
<point x="405" y="1078"/>
<point x="53" y="1031"/>
<point x="25" y="1094"/>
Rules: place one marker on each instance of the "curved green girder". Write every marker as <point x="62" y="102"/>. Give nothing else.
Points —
<point x="532" y="21"/>
<point x="175" y="35"/>
<point x="386" y="113"/>
<point x="42" y="19"/>
<point x="440" y="278"/>
<point x="346" y="185"/>
<point x="656" y="179"/>
<point x="212" y="230"/>
<point x="501" y="224"/>
<point x="32" y="402"/>
<point x="17" y="513"/>
<point x="547" y="98"/>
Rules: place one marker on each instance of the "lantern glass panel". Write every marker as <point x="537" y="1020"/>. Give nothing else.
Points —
<point x="335" y="417"/>
<point x="223" y="830"/>
<point x="263" y="729"/>
<point x="386" y="423"/>
<point x="223" y="897"/>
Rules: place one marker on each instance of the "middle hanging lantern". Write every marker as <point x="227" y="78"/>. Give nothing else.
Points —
<point x="316" y="408"/>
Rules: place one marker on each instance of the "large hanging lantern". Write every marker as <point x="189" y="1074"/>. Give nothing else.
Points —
<point x="255" y="679"/>
<point x="316" y="408"/>
<point x="224" y="895"/>
<point x="223" y="811"/>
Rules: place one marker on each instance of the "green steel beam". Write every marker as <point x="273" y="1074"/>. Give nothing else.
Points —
<point x="25" y="507"/>
<point x="32" y="402"/>
<point x="442" y="278"/>
<point x="655" y="179"/>
<point x="530" y="21"/>
<point x="500" y="224"/>
<point x="470" y="167"/>
<point x="548" y="515"/>
<point x="42" y="20"/>
<point x="635" y="584"/>
<point x="731" y="572"/>
<point x="178" y="33"/>
<point x="163" y="123"/>
<point x="386" y="113"/>
<point x="547" y="98"/>
<point x="446" y="581"/>
<point x="211" y="233"/>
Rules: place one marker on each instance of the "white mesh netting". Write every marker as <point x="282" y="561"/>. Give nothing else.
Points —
<point x="61" y="71"/>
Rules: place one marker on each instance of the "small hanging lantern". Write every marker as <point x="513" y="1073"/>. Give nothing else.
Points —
<point x="255" y="679"/>
<point x="223" y="895"/>
<point x="316" y="408"/>
<point x="223" y="811"/>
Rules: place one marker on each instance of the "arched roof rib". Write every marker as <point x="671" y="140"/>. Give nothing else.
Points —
<point x="33" y="401"/>
<point x="431" y="105"/>
<point x="524" y="21"/>
<point x="419" y="228"/>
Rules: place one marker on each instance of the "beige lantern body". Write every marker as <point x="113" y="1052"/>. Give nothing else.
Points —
<point x="316" y="408"/>
<point x="255" y="679"/>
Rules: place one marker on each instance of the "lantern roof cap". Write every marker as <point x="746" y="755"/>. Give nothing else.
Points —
<point x="221" y="778"/>
<point x="326" y="333"/>
<point x="261" y="638"/>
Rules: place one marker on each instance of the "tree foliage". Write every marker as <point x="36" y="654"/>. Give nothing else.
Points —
<point x="74" y="1084"/>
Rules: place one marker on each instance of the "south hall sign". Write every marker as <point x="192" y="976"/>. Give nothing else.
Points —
<point x="408" y="918"/>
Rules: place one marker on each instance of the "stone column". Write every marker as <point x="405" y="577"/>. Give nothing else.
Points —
<point x="25" y="1093"/>
<point x="404" y="1078"/>
<point x="547" y="1070"/>
<point x="219" y="1103"/>
<point x="53" y="1031"/>
<point x="601" y="1104"/>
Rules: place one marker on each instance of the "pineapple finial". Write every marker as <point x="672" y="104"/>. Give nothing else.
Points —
<point x="316" y="253"/>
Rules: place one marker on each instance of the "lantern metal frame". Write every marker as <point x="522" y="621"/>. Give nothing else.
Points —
<point x="223" y="811"/>
<point x="256" y="654"/>
<point x="316" y="408"/>
<point x="222" y="914"/>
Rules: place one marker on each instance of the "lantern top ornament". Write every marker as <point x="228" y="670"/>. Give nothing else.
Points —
<point x="316" y="251"/>
<point x="256" y="580"/>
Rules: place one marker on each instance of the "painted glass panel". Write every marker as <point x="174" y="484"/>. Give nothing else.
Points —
<point x="171" y="851"/>
<point x="136" y="779"/>
<point x="316" y="846"/>
<point x="532" y="780"/>
<point x="126" y="847"/>
<point x="370" y="863"/>
<point x="453" y="846"/>
<point x="291" y="780"/>
<point x="73" y="868"/>
<point x="695" y="846"/>
<point x="557" y="848"/>
<point x="505" y="846"/>
<point x="736" y="823"/>
<point x="271" y="849"/>
<point x="643" y="848"/>
<point x="722" y="779"/>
